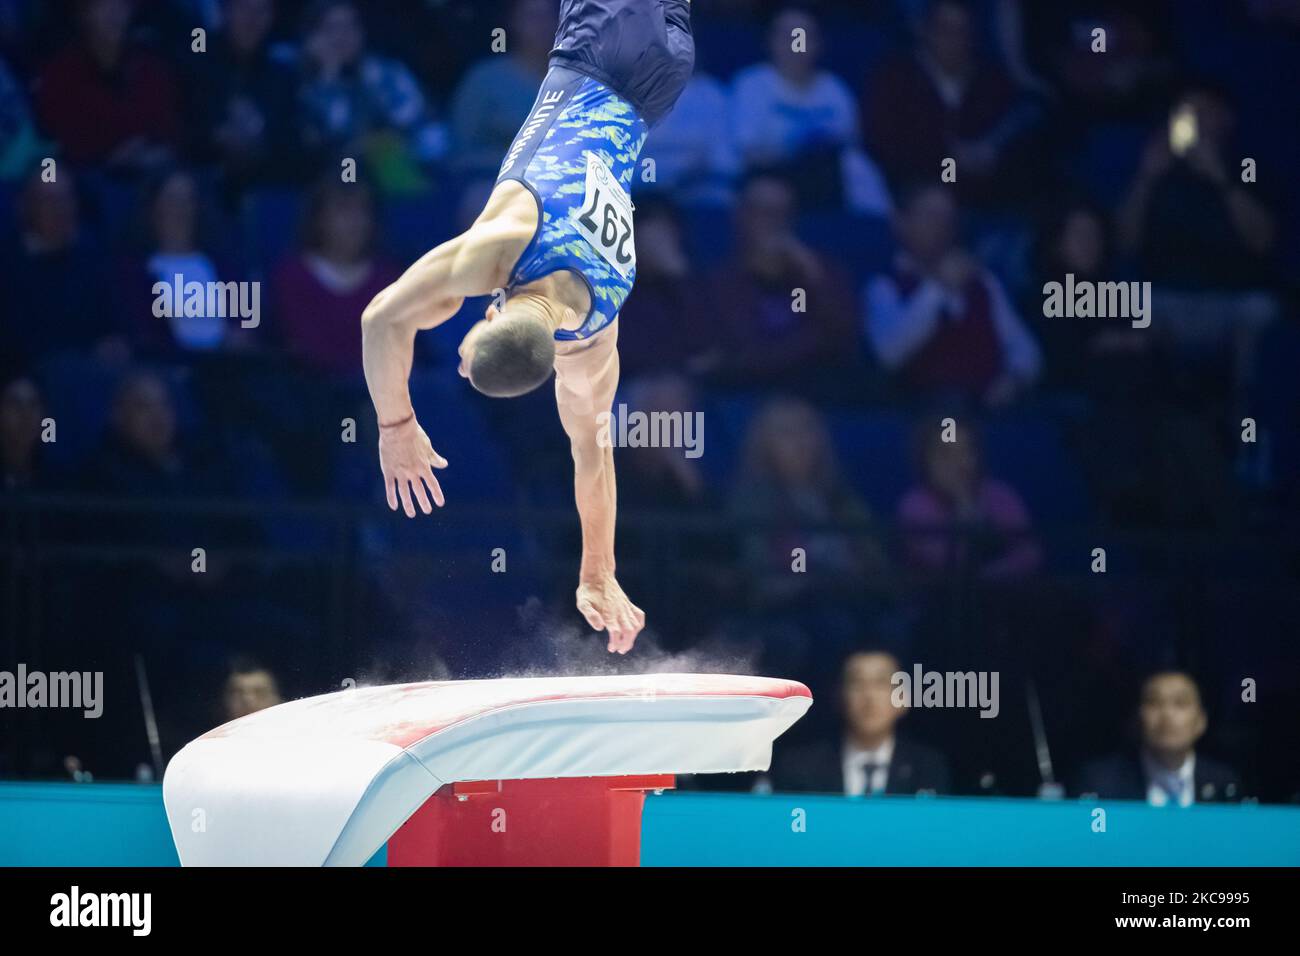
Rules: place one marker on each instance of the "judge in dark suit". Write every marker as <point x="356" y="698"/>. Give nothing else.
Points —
<point x="1166" y="770"/>
<point x="868" y="758"/>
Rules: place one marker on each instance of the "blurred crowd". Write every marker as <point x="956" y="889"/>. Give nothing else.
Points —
<point x="842" y="243"/>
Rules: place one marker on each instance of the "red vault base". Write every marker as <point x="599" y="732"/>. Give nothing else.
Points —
<point x="574" y="821"/>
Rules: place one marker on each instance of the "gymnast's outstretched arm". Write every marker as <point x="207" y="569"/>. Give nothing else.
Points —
<point x="585" y="382"/>
<point x="429" y="293"/>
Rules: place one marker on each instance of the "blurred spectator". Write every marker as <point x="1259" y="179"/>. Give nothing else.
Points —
<point x="1166" y="770"/>
<point x="22" y="466"/>
<point x="20" y="143"/>
<point x="663" y="326"/>
<point x="359" y="103"/>
<point x="52" y="279"/>
<point x="106" y="100"/>
<point x="869" y="757"/>
<point x="142" y="456"/>
<point x="321" y="291"/>
<point x="958" y="516"/>
<point x="247" y="122"/>
<point x="1189" y="219"/>
<point x="249" y="687"/>
<point x="757" y="295"/>
<point x="495" y="95"/>
<point x="1103" y="357"/>
<point x="173" y="248"/>
<point x="695" y="160"/>
<point x="945" y="100"/>
<point x="797" y="120"/>
<point x="1201" y="235"/>
<point x="940" y="320"/>
<point x="669" y="483"/>
<point x="793" y="495"/>
<point x="663" y="478"/>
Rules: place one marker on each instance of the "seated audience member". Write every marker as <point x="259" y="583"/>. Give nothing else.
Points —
<point x="958" y="515"/>
<point x="1188" y="218"/>
<point x="22" y="467"/>
<point x="245" y="101"/>
<point x="662" y="327"/>
<point x="695" y="160"/>
<point x="144" y="459"/>
<point x="106" y="100"/>
<point x="941" y="321"/>
<point x="870" y="757"/>
<point x="174" y="248"/>
<point x="495" y="95"/>
<point x="662" y="488"/>
<point x="664" y="476"/>
<point x="944" y="100"/>
<point x="1201" y="235"/>
<point x="1104" y="358"/>
<point x="249" y="687"/>
<point x="51" y="279"/>
<point x="794" y="119"/>
<point x="142" y="456"/>
<point x="354" y="101"/>
<point x="782" y="312"/>
<point x="320" y="291"/>
<point x="793" y="492"/>
<point x="1166" y="770"/>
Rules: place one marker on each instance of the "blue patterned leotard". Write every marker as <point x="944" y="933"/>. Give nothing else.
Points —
<point x="617" y="67"/>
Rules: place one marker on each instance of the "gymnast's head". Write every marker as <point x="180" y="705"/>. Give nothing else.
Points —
<point x="511" y="351"/>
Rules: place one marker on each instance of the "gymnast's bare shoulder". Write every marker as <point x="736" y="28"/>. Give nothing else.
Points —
<point x="505" y="226"/>
<point x="476" y="262"/>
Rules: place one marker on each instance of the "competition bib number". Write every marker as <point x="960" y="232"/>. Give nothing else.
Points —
<point x="606" y="217"/>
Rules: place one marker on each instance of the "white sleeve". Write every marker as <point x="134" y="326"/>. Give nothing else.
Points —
<point x="898" y="328"/>
<point x="1023" y="359"/>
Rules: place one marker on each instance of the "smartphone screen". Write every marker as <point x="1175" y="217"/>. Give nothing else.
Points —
<point x="1182" y="129"/>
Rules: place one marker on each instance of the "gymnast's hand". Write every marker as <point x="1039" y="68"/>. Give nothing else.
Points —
<point x="407" y="460"/>
<point x="606" y="608"/>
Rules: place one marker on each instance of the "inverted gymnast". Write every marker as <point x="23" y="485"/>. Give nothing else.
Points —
<point x="555" y="247"/>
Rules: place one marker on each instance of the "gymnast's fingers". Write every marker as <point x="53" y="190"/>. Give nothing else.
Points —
<point x="404" y="492"/>
<point x="435" y="489"/>
<point x="420" y="496"/>
<point x="592" y="615"/>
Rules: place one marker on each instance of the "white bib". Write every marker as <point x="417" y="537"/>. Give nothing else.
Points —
<point x="605" y="219"/>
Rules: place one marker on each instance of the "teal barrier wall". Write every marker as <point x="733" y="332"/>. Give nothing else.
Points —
<point x="68" y="824"/>
<point x="124" y="825"/>
<point x="680" y="829"/>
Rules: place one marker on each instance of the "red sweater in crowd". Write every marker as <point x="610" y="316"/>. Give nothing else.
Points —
<point x="92" y="112"/>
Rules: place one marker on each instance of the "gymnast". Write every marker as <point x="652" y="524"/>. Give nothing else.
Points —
<point x="555" y="247"/>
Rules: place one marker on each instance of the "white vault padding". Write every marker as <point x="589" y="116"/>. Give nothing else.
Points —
<point x="327" y="780"/>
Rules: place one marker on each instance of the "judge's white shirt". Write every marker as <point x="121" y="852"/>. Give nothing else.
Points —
<point x="1165" y="786"/>
<point x="860" y="764"/>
